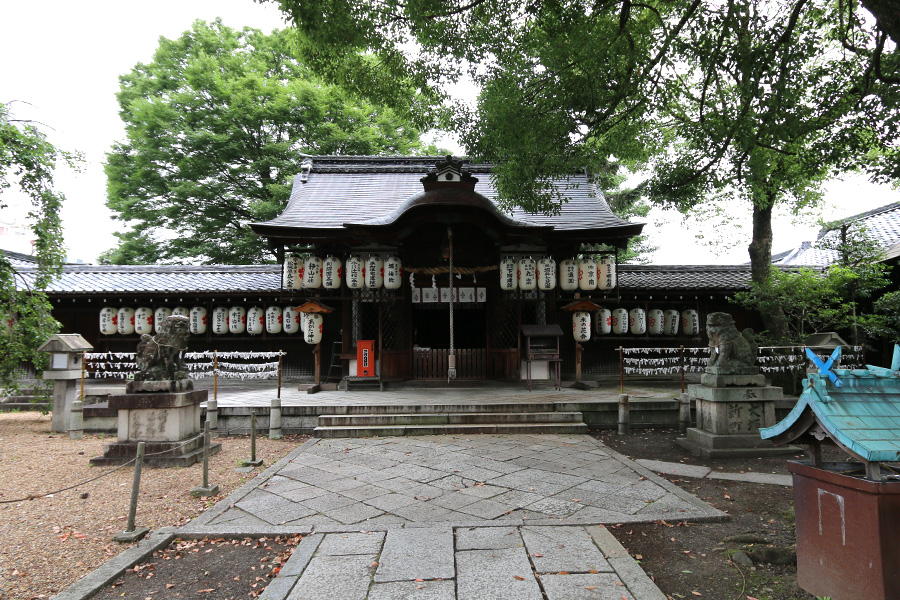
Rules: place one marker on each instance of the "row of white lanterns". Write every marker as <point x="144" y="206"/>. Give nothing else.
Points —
<point x="620" y="321"/>
<point x="223" y="320"/>
<point x="373" y="272"/>
<point x="584" y="274"/>
<point x="313" y="272"/>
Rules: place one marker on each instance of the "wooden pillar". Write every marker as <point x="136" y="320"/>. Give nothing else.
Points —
<point x="578" y="349"/>
<point x="317" y="353"/>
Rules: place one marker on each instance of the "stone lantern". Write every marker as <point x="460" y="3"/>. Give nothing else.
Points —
<point x="65" y="369"/>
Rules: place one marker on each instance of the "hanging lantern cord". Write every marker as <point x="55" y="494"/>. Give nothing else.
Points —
<point x="451" y="360"/>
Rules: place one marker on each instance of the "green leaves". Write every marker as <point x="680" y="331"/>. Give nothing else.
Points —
<point x="27" y="161"/>
<point x="216" y="127"/>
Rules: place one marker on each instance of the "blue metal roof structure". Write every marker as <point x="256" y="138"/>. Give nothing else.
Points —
<point x="860" y="412"/>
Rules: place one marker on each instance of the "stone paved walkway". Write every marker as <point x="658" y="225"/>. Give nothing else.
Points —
<point x="483" y="517"/>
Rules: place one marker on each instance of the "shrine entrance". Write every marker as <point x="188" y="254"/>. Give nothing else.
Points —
<point x="431" y="341"/>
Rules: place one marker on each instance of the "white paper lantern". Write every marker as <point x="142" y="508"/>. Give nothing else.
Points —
<point x="312" y="273"/>
<point x="393" y="273"/>
<point x="509" y="279"/>
<point x="160" y="315"/>
<point x="331" y="273"/>
<point x="637" y="320"/>
<point x="655" y="321"/>
<point x="620" y="321"/>
<point x="690" y="322"/>
<point x="673" y="318"/>
<point x="581" y="326"/>
<point x="546" y="273"/>
<point x="237" y="319"/>
<point x="256" y="317"/>
<point x="587" y="274"/>
<point x="143" y="320"/>
<point x="568" y="275"/>
<point x="606" y="273"/>
<point x="527" y="274"/>
<point x="354" y="273"/>
<point x="181" y="311"/>
<point x="290" y="319"/>
<point x="603" y="319"/>
<point x="125" y="321"/>
<point x="292" y="272"/>
<point x="109" y="317"/>
<point x="220" y="320"/>
<point x="198" y="320"/>
<point x="312" y="328"/>
<point x="374" y="272"/>
<point x="273" y="319"/>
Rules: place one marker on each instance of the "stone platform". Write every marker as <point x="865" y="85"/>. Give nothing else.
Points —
<point x="168" y="424"/>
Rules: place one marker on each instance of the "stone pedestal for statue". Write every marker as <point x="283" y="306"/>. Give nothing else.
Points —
<point x="164" y="421"/>
<point x="732" y="400"/>
<point x="160" y="407"/>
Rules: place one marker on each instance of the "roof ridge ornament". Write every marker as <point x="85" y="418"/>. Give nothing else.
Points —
<point x="305" y="168"/>
<point x="449" y="173"/>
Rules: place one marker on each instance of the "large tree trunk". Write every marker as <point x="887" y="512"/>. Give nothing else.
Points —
<point x="760" y="251"/>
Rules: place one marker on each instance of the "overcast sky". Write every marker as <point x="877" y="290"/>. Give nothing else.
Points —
<point x="61" y="61"/>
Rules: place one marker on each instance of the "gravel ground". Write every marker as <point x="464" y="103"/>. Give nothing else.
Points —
<point x="52" y="541"/>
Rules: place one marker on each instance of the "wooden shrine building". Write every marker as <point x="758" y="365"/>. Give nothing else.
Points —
<point x="417" y="221"/>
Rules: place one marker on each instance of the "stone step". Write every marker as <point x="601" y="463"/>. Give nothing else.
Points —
<point x="393" y="409"/>
<point x="453" y="418"/>
<point x="449" y="429"/>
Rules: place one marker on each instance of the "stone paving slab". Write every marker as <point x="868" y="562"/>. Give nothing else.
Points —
<point x="331" y="482"/>
<point x="503" y="574"/>
<point x="410" y="554"/>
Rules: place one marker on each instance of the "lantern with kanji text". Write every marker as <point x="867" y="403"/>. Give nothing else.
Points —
<point x="273" y="319"/>
<point x="581" y="325"/>
<point x="109" y="317"/>
<point x="331" y="273"/>
<point x="198" y="320"/>
<point x="568" y="275"/>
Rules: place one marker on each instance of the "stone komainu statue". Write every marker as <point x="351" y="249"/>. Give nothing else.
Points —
<point x="729" y="349"/>
<point x="159" y="359"/>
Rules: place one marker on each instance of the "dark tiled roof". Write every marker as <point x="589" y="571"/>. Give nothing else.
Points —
<point x="333" y="191"/>
<point x="152" y="279"/>
<point x="20" y="260"/>
<point x="225" y="279"/>
<point x="882" y="224"/>
<point x="684" y="277"/>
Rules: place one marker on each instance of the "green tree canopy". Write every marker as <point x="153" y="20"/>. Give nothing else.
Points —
<point x="217" y="125"/>
<point x="751" y="101"/>
<point x="27" y="162"/>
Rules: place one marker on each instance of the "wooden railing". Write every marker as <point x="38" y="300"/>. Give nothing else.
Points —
<point x="471" y="363"/>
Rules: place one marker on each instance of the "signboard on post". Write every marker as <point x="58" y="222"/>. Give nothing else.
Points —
<point x="365" y="358"/>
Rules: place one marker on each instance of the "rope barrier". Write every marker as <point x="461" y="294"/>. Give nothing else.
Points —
<point x="65" y="489"/>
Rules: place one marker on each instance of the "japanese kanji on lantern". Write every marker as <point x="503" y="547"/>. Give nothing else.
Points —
<point x="273" y="319"/>
<point x="690" y="322"/>
<point x="160" y="315"/>
<point x="620" y="321"/>
<point x="673" y="317"/>
<point x="655" y="321"/>
<point x="312" y="328"/>
<point x="109" y="317"/>
<point x="220" y="320"/>
<point x="581" y="325"/>
<point x="527" y="274"/>
<point x="603" y="320"/>
<point x="256" y="317"/>
<point x="393" y="273"/>
<point x="509" y="277"/>
<point x="143" y="320"/>
<point x="587" y="274"/>
<point x="291" y="319"/>
<point x="637" y="321"/>
<point x="331" y="272"/>
<point x="181" y="311"/>
<point x="354" y="272"/>
<point x="312" y="273"/>
<point x="125" y="321"/>
<point x="606" y="272"/>
<point x="198" y="320"/>
<point x="374" y="272"/>
<point x="546" y="273"/>
<point x="237" y="319"/>
<point x="291" y="273"/>
<point x="568" y="275"/>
